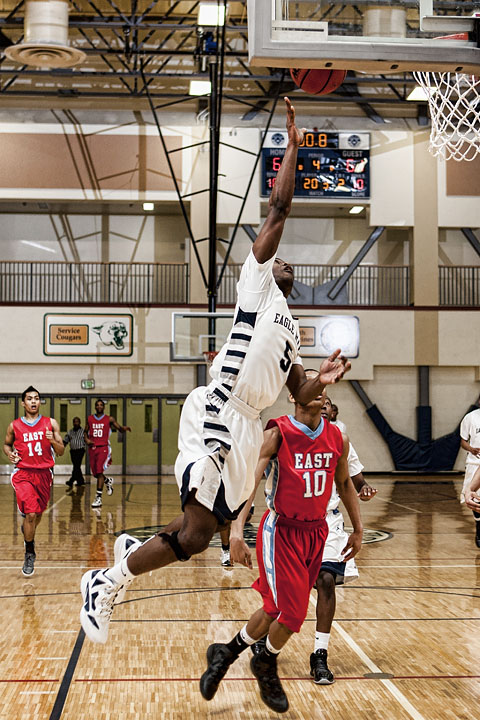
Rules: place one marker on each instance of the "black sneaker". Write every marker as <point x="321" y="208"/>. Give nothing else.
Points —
<point x="29" y="563"/>
<point x="219" y="659"/>
<point x="69" y="483"/>
<point x="319" y="669"/>
<point x="271" y="690"/>
<point x="258" y="646"/>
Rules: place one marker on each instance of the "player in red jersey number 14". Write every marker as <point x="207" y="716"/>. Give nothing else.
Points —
<point x="30" y="444"/>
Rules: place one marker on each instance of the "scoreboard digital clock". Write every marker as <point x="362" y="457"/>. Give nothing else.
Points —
<point x="329" y="164"/>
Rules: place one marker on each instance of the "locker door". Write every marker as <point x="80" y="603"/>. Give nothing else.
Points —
<point x="64" y="410"/>
<point x="171" y="411"/>
<point x="142" y="446"/>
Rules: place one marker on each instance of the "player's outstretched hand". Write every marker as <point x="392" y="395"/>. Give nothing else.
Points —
<point x="334" y="368"/>
<point x="472" y="500"/>
<point x="353" y="546"/>
<point x="240" y="552"/>
<point x="367" y="493"/>
<point x="294" y="134"/>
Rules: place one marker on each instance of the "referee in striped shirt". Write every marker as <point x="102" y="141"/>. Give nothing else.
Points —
<point x="76" y="439"/>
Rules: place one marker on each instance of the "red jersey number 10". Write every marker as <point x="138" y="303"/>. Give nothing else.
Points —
<point x="319" y="480"/>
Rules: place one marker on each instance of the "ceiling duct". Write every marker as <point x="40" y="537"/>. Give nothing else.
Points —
<point x="45" y="42"/>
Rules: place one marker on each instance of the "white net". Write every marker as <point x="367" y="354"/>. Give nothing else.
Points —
<point x="454" y="104"/>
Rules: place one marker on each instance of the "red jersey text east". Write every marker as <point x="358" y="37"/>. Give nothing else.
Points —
<point x="36" y="452"/>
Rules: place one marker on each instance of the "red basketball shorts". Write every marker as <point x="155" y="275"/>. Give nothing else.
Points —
<point x="100" y="458"/>
<point x="32" y="489"/>
<point x="289" y="555"/>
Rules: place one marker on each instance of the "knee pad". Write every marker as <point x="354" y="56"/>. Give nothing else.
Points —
<point x="172" y="540"/>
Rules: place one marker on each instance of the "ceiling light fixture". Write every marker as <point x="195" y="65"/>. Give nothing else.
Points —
<point x="417" y="94"/>
<point x="200" y="87"/>
<point x="356" y="209"/>
<point x="211" y="14"/>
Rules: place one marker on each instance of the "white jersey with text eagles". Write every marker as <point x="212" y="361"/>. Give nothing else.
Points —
<point x="354" y="467"/>
<point x="263" y="343"/>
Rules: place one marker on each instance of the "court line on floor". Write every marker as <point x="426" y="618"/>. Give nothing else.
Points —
<point x="406" y="507"/>
<point x="50" y="507"/>
<point x="388" y="684"/>
<point x="303" y="678"/>
<point x="67" y="677"/>
<point x="240" y="567"/>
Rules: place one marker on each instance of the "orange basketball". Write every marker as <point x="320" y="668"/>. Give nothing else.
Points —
<point x="317" y="82"/>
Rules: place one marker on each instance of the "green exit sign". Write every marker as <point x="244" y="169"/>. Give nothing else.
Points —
<point x="88" y="384"/>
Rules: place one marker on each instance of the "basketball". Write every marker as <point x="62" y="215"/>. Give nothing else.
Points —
<point x="317" y="82"/>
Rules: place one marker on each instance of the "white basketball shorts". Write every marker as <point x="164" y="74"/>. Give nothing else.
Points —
<point x="332" y="555"/>
<point x="470" y="470"/>
<point x="219" y="442"/>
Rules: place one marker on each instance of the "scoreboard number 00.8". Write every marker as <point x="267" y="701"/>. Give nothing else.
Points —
<point x="329" y="164"/>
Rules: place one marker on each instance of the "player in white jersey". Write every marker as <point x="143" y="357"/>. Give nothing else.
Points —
<point x="334" y="570"/>
<point x="470" y="441"/>
<point x="336" y="421"/>
<point x="220" y="431"/>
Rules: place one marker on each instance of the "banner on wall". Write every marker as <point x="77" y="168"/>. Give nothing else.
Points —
<point x="88" y="334"/>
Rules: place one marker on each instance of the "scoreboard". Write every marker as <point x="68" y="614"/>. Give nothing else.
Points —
<point x="329" y="164"/>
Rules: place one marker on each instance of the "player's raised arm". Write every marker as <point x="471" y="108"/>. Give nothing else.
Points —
<point x="239" y="550"/>
<point x="266" y="244"/>
<point x="305" y="390"/>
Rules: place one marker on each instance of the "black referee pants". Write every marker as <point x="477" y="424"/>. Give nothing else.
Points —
<point x="77" y="457"/>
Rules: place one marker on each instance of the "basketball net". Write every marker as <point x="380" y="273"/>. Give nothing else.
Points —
<point x="209" y="356"/>
<point x="454" y="104"/>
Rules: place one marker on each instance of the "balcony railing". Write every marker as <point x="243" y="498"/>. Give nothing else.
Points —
<point x="92" y="283"/>
<point x="459" y="285"/>
<point x="369" y="285"/>
<point x="167" y="284"/>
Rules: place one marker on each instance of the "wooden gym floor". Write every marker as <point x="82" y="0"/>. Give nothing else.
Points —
<point x="405" y="643"/>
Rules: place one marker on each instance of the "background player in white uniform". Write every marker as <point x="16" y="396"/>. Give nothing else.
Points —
<point x="335" y="420"/>
<point x="472" y="497"/>
<point x="334" y="570"/>
<point x="220" y="431"/>
<point x="470" y="441"/>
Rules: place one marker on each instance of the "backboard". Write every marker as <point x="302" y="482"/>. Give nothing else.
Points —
<point x="193" y="333"/>
<point x="377" y="37"/>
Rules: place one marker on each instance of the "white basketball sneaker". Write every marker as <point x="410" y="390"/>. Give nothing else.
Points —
<point x="124" y="546"/>
<point x="99" y="593"/>
<point x="109" y="485"/>
<point x="97" y="503"/>
<point x="225" y="558"/>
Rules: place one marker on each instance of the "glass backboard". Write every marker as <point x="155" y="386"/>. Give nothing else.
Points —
<point x="378" y="36"/>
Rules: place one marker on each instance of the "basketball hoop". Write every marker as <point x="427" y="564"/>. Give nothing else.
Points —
<point x="454" y="104"/>
<point x="209" y="356"/>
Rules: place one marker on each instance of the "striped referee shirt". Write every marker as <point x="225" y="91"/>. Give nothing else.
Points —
<point x="75" y="438"/>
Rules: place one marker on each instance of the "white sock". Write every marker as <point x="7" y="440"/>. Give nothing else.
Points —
<point x="245" y="636"/>
<point x="270" y="647"/>
<point x="321" y="641"/>
<point x="119" y="573"/>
